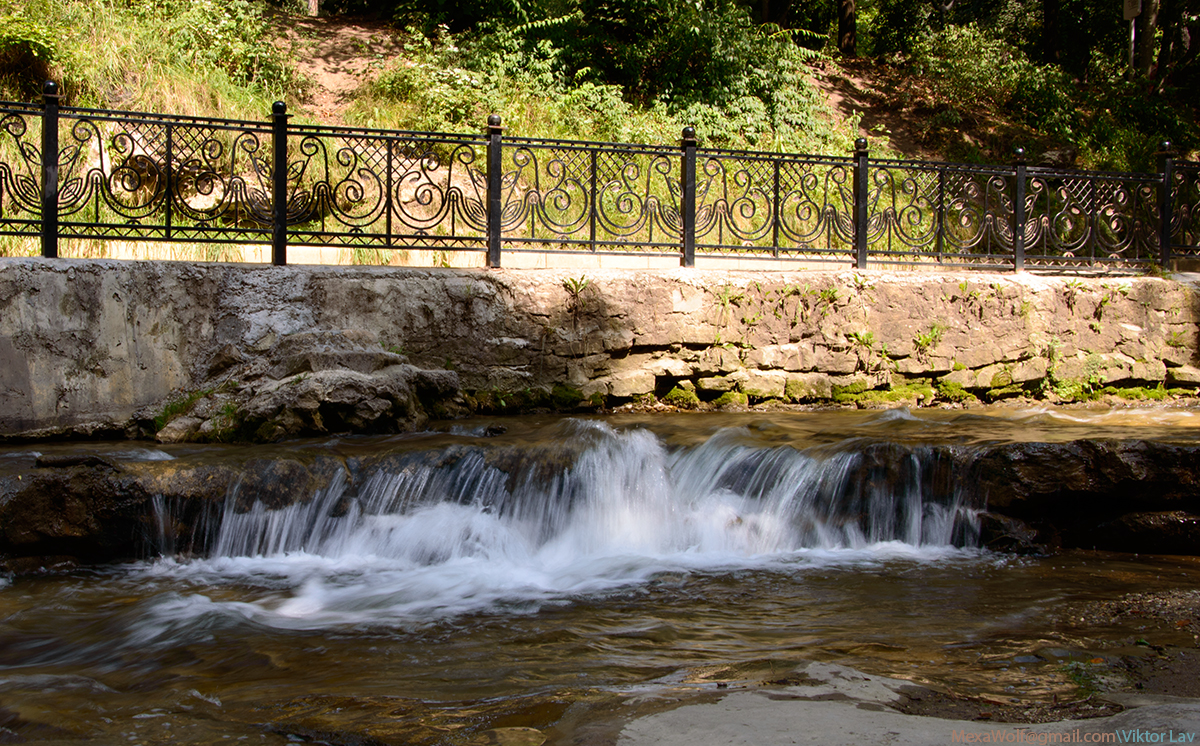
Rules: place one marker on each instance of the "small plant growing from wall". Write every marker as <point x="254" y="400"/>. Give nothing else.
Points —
<point x="925" y="342"/>
<point x="576" y="302"/>
<point x="1071" y="292"/>
<point x="727" y="297"/>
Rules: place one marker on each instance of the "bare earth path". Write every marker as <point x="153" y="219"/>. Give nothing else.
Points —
<point x="336" y="56"/>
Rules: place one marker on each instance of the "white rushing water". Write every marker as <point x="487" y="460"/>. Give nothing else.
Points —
<point x="440" y="537"/>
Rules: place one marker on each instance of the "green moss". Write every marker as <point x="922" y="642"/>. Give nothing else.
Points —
<point x="911" y="391"/>
<point x="731" y="398"/>
<point x="1004" y="392"/>
<point x="951" y="391"/>
<point x="178" y="407"/>
<point x="682" y="398"/>
<point x="596" y="399"/>
<point x="759" y="394"/>
<point x="857" y="387"/>
<point x="1136" y="393"/>
<point x="1001" y="380"/>
<point x="794" y="390"/>
<point x="563" y="396"/>
<point x="958" y="366"/>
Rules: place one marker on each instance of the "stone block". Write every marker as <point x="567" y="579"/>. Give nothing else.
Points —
<point x="978" y="356"/>
<point x="808" y="386"/>
<point x="630" y="383"/>
<point x="993" y="377"/>
<point x="1149" y="370"/>
<point x="1186" y="375"/>
<point x="723" y="383"/>
<point x="834" y="362"/>
<point x="670" y="366"/>
<point x="791" y="356"/>
<point x="765" y="384"/>
<point x="1026" y="371"/>
<point x="964" y="378"/>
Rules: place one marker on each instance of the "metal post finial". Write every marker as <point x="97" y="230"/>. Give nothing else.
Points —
<point x="1019" y="154"/>
<point x="50" y="88"/>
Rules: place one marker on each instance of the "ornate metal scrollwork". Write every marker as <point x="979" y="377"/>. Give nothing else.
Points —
<point x="593" y="195"/>
<point x="20" y="177"/>
<point x="1090" y="217"/>
<point x="148" y="176"/>
<point x="748" y="203"/>
<point x="382" y="189"/>
<point x="1185" y="223"/>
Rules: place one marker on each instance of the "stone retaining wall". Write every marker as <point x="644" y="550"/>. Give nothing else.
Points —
<point x="84" y="345"/>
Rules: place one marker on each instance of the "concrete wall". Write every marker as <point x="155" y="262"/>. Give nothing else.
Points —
<point x="86" y="343"/>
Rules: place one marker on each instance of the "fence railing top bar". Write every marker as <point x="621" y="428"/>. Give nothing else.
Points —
<point x="1079" y="173"/>
<point x="74" y="112"/>
<point x="339" y="131"/>
<point x="978" y="168"/>
<point x="539" y="142"/>
<point x="758" y="155"/>
<point x="12" y="107"/>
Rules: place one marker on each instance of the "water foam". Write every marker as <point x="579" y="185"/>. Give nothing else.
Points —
<point x="434" y="538"/>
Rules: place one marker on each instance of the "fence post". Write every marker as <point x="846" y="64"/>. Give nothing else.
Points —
<point x="687" y="182"/>
<point x="861" y="183"/>
<point x="50" y="98"/>
<point x="279" y="117"/>
<point x="1166" y="166"/>
<point x="1019" y="211"/>
<point x="495" y="173"/>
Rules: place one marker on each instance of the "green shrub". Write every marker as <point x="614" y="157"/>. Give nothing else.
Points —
<point x="558" y="81"/>
<point x="968" y="64"/>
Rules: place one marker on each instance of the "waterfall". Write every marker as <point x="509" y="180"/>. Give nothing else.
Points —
<point x="620" y="492"/>
<point x="469" y="526"/>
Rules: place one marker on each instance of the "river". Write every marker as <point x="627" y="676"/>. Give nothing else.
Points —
<point x="563" y="575"/>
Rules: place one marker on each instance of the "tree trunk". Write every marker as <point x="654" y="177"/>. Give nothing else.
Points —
<point x="314" y="8"/>
<point x="847" y="28"/>
<point x="1180" y="43"/>
<point x="1050" y="30"/>
<point x="1147" y="24"/>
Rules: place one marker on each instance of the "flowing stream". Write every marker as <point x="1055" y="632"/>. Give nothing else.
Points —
<point x="563" y="575"/>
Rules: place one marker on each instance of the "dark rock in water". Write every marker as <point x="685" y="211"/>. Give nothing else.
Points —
<point x="308" y="383"/>
<point x="51" y="461"/>
<point x="1076" y="494"/>
<point x="1003" y="534"/>
<point x="38" y="565"/>
<point x="1162" y="532"/>
<point x="88" y="511"/>
<point x="331" y="401"/>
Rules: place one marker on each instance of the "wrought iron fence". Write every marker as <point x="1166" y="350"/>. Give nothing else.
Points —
<point x="152" y="177"/>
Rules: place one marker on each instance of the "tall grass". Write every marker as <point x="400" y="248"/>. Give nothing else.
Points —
<point x="198" y="58"/>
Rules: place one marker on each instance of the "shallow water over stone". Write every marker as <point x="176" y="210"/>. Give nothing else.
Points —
<point x="446" y="584"/>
